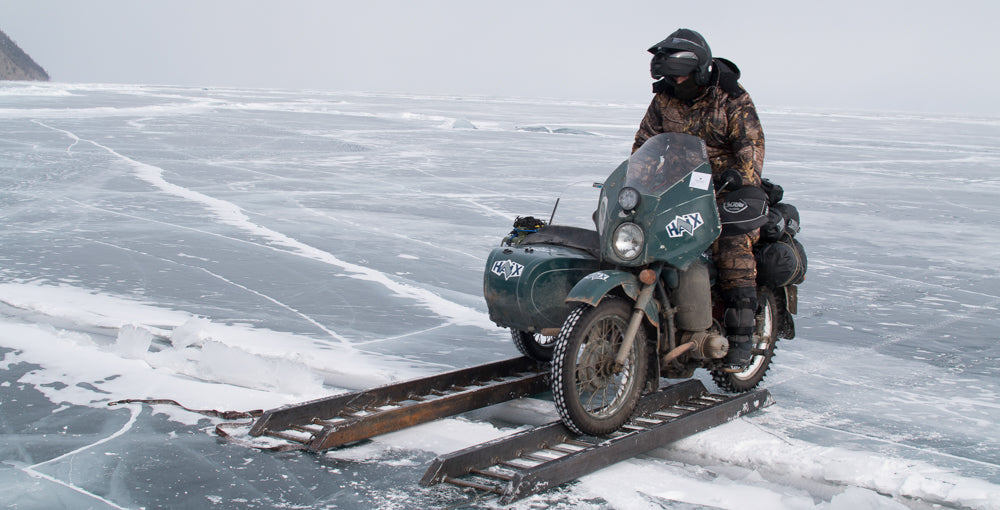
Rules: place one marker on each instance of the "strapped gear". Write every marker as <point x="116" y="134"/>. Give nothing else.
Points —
<point x="743" y="210"/>
<point x="782" y="262"/>
<point x="781" y="259"/>
<point x="688" y="41"/>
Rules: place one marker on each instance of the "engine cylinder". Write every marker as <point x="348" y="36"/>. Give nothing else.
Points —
<point x="693" y="298"/>
<point x="705" y="345"/>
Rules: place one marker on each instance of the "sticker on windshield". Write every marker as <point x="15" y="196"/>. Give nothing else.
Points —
<point x="685" y="224"/>
<point x="507" y="269"/>
<point x="700" y="180"/>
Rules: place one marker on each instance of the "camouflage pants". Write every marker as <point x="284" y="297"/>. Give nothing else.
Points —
<point x="733" y="256"/>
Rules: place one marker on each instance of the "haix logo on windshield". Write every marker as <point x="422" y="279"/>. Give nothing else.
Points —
<point x="507" y="268"/>
<point x="685" y="224"/>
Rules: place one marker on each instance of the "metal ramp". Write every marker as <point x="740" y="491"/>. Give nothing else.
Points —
<point x="335" y="421"/>
<point x="538" y="459"/>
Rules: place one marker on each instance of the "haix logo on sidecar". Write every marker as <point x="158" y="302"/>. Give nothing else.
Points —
<point x="685" y="224"/>
<point x="507" y="268"/>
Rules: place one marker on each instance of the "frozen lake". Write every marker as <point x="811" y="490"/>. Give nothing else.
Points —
<point x="244" y="249"/>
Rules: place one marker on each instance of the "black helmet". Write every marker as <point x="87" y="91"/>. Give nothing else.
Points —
<point x="680" y="53"/>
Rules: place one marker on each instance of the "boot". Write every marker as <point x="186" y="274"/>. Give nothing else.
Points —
<point x="741" y="306"/>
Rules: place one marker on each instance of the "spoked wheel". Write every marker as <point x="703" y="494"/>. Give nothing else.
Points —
<point x="765" y="339"/>
<point x="594" y="396"/>
<point x="534" y="345"/>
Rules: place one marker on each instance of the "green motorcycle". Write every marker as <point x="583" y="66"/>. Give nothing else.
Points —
<point x="618" y="308"/>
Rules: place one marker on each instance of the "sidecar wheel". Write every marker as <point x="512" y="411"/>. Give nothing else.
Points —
<point x="765" y="340"/>
<point x="593" y="398"/>
<point x="534" y="345"/>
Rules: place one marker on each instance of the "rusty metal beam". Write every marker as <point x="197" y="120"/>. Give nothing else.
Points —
<point x="691" y="407"/>
<point x="575" y="465"/>
<point x="442" y="395"/>
<point x="486" y="454"/>
<point x="403" y="416"/>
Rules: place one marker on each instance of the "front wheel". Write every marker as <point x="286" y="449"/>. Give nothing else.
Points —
<point x="592" y="395"/>
<point x="765" y="339"/>
<point x="533" y="345"/>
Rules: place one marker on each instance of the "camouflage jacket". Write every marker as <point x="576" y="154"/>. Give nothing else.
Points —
<point x="723" y="116"/>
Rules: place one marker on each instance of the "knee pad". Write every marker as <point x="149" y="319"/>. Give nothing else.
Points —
<point x="739" y="321"/>
<point x="741" y="307"/>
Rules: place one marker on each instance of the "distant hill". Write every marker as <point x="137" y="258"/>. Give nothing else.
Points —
<point x="15" y="64"/>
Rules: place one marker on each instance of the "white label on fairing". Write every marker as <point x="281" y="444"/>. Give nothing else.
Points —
<point x="700" y="180"/>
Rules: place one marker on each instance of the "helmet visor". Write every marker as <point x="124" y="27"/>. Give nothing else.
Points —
<point x="681" y="63"/>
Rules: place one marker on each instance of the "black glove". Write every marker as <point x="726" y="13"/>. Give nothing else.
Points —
<point x="729" y="180"/>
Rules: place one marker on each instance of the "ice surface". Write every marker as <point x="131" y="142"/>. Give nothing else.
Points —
<point x="246" y="249"/>
<point x="133" y="341"/>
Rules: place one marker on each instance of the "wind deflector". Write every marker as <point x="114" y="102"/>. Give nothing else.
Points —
<point x="570" y="237"/>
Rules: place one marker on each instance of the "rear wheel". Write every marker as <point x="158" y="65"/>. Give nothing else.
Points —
<point x="534" y="345"/>
<point x="592" y="395"/>
<point x="765" y="339"/>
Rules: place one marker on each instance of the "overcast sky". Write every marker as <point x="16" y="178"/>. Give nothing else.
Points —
<point x="892" y="55"/>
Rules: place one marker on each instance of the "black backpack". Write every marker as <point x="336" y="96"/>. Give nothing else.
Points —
<point x="781" y="259"/>
<point x="782" y="262"/>
<point x="782" y="219"/>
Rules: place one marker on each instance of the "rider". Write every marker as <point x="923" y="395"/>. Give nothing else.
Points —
<point x="701" y="96"/>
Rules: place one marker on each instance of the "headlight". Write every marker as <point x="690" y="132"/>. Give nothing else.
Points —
<point x="629" y="241"/>
<point x="628" y="198"/>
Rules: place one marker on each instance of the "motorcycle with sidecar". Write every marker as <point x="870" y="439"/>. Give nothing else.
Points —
<point x="617" y="308"/>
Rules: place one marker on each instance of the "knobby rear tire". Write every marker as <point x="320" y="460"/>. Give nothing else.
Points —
<point x="591" y="397"/>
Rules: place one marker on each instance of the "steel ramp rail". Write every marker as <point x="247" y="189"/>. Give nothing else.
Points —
<point x="335" y="421"/>
<point x="538" y="459"/>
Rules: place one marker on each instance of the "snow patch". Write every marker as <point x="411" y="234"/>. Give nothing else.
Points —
<point x="855" y="498"/>
<point x="205" y="364"/>
<point x="780" y="457"/>
<point x="444" y="436"/>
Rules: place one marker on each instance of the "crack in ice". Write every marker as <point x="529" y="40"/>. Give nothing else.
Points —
<point x="331" y="333"/>
<point x="233" y="215"/>
<point x="32" y="471"/>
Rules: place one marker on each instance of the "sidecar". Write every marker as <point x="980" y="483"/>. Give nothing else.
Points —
<point x="526" y="284"/>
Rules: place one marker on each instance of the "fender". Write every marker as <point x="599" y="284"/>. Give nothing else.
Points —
<point x="593" y="287"/>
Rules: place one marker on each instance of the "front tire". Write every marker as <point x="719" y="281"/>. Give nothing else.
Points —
<point x="765" y="339"/>
<point x="591" y="396"/>
<point x="534" y="345"/>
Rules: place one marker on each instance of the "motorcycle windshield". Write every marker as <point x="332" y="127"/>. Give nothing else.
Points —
<point x="664" y="160"/>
